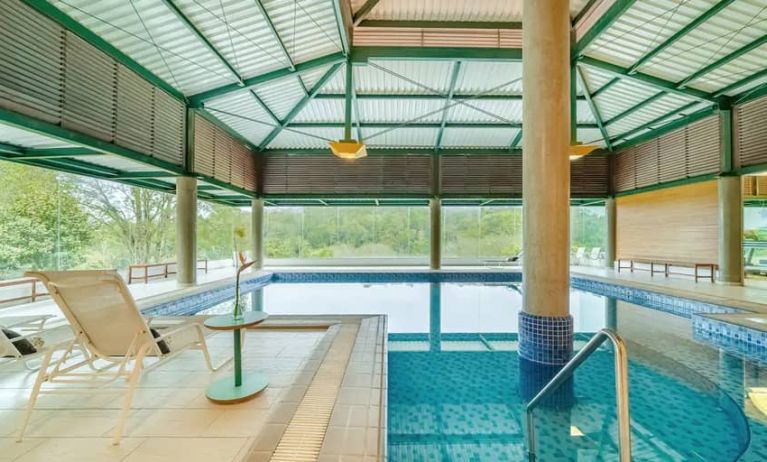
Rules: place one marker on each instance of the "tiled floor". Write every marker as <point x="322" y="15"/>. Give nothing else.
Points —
<point x="171" y="417"/>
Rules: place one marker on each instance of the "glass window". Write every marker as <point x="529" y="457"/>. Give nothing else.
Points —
<point x="222" y="231"/>
<point x="476" y="233"/>
<point x="588" y="234"/>
<point x="755" y="241"/>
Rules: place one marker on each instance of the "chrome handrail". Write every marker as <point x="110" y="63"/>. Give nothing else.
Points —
<point x="621" y="391"/>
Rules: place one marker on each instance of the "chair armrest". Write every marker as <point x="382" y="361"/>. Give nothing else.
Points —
<point x="183" y="327"/>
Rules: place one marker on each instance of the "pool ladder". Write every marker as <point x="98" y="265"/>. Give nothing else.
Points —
<point x="621" y="391"/>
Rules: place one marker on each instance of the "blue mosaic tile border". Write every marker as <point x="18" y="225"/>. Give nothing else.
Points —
<point x="190" y="304"/>
<point x="739" y="340"/>
<point x="372" y="277"/>
<point x="678" y="306"/>
<point x="545" y="339"/>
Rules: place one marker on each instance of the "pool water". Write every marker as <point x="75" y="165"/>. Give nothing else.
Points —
<point x="457" y="386"/>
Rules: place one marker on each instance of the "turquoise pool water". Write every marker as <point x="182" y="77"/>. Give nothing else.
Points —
<point x="457" y="387"/>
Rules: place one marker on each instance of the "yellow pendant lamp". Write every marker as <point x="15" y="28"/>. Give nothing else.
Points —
<point x="579" y="150"/>
<point x="348" y="148"/>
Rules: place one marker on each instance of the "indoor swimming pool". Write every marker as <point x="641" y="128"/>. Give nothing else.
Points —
<point x="457" y="386"/>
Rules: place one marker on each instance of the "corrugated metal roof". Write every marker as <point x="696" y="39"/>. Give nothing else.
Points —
<point x="311" y="77"/>
<point x="400" y="110"/>
<point x="503" y="78"/>
<point x="590" y="136"/>
<point x="182" y="60"/>
<point x="735" y="70"/>
<point x="647" y="113"/>
<point x="402" y="137"/>
<point x="458" y="137"/>
<point x="119" y="163"/>
<point x="281" y="95"/>
<point x="29" y="139"/>
<point x="434" y="75"/>
<point x="251" y="120"/>
<point x="671" y="118"/>
<point x="308" y="28"/>
<point x="733" y="27"/>
<point x="583" y="113"/>
<point x="297" y="138"/>
<point x="323" y="110"/>
<point x="239" y="31"/>
<point x="481" y="110"/>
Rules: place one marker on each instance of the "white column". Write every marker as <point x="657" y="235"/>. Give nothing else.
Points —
<point x="186" y="230"/>
<point x="435" y="238"/>
<point x="730" y="230"/>
<point x="546" y="171"/>
<point x="257" y="233"/>
<point x="612" y="229"/>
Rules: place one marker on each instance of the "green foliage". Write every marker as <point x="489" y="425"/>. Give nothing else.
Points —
<point x="221" y="230"/>
<point x="42" y="224"/>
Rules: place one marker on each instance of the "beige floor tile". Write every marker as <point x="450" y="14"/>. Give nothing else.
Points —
<point x="187" y="450"/>
<point x="72" y="423"/>
<point x="172" y="422"/>
<point x="233" y="423"/>
<point x="12" y="450"/>
<point x="81" y="450"/>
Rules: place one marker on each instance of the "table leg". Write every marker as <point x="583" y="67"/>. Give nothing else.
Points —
<point x="237" y="358"/>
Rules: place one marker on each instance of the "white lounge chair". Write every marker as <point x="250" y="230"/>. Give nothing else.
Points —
<point x="515" y="260"/>
<point x="116" y="340"/>
<point x="595" y="252"/>
<point x="28" y="328"/>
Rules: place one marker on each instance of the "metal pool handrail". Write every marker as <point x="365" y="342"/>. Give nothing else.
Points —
<point x="621" y="390"/>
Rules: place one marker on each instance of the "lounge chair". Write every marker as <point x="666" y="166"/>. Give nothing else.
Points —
<point x="116" y="340"/>
<point x="19" y="346"/>
<point x="578" y="255"/>
<point x="514" y="260"/>
<point x="595" y="253"/>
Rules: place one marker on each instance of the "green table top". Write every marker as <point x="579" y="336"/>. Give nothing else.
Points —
<point x="228" y="322"/>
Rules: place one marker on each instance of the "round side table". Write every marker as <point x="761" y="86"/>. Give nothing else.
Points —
<point x="239" y="388"/>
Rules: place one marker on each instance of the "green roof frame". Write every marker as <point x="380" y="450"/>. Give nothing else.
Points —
<point x="723" y="60"/>
<point x="363" y="11"/>
<point x="741" y="83"/>
<point x="606" y="20"/>
<point x="299" y="125"/>
<point x="419" y="96"/>
<point x="448" y="100"/>
<point x="65" y="21"/>
<point x="372" y="152"/>
<point x="440" y="24"/>
<point x="635" y="107"/>
<point x="665" y="128"/>
<point x="275" y="34"/>
<point x="362" y="54"/>
<point x="594" y="109"/>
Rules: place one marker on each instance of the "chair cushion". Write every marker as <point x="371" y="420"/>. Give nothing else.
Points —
<point x="164" y="349"/>
<point x="24" y="346"/>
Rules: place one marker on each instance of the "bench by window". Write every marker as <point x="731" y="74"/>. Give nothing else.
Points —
<point x="701" y="270"/>
<point x="147" y="271"/>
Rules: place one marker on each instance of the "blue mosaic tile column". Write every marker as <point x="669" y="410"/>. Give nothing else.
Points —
<point x="545" y="339"/>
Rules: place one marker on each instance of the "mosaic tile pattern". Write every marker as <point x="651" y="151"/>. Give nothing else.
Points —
<point x="545" y="339"/>
<point x="372" y="277"/>
<point x="733" y="338"/>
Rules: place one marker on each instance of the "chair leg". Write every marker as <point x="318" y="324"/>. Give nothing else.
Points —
<point x="41" y="377"/>
<point x="133" y="380"/>
<point x="204" y="348"/>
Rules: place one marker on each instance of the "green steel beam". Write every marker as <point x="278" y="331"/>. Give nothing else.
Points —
<point x="725" y="119"/>
<point x="266" y="109"/>
<point x="752" y="94"/>
<point x="58" y="132"/>
<point x="585" y="9"/>
<point x="708" y="14"/>
<point x="275" y="34"/>
<point x="363" y="11"/>
<point x="200" y="98"/>
<point x="741" y="83"/>
<point x="516" y="140"/>
<point x="299" y="125"/>
<point x="300" y="106"/>
<point x="723" y="60"/>
<point x="201" y="37"/>
<point x="594" y="109"/>
<point x="399" y="152"/>
<point x="61" y="18"/>
<point x="606" y="86"/>
<point x="348" y="100"/>
<point x="421" y="96"/>
<point x="441" y="24"/>
<point x="574" y="103"/>
<point x="59" y="152"/>
<point x="663" y="129"/>
<point x="343" y="12"/>
<point x="646" y="79"/>
<point x="635" y="108"/>
<point x="139" y="175"/>
<point x="605" y="21"/>
<point x="448" y="100"/>
<point x="224" y="185"/>
<point x="363" y="54"/>
<point x="226" y="128"/>
<point x="6" y="148"/>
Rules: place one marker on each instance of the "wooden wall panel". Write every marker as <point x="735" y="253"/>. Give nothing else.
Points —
<point x="675" y="223"/>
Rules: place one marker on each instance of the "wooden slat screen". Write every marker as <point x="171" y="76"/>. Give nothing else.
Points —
<point x="589" y="176"/>
<point x="51" y="74"/>
<point x="481" y="174"/>
<point x="750" y="136"/>
<point x="326" y="174"/>
<point x="754" y="186"/>
<point x="217" y="154"/>
<point x="689" y="151"/>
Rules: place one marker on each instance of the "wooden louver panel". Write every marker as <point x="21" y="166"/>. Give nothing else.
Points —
<point x="218" y="155"/>
<point x="690" y="151"/>
<point x="204" y="146"/>
<point x="481" y="174"/>
<point x="589" y="176"/>
<point x="169" y="128"/>
<point x="750" y="123"/>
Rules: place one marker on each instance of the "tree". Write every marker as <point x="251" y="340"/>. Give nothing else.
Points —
<point x="140" y="222"/>
<point x="42" y="224"/>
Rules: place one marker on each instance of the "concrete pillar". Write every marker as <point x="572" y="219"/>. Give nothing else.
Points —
<point x="186" y="230"/>
<point x="612" y="230"/>
<point x="545" y="324"/>
<point x="730" y="230"/>
<point x="435" y="238"/>
<point x="257" y="233"/>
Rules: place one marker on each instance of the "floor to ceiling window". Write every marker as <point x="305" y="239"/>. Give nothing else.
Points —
<point x="472" y="234"/>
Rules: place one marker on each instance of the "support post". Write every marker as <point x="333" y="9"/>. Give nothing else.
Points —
<point x="612" y="233"/>
<point x="730" y="230"/>
<point x="186" y="230"/>
<point x="257" y="233"/>
<point x="546" y="327"/>
<point x="435" y="238"/>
